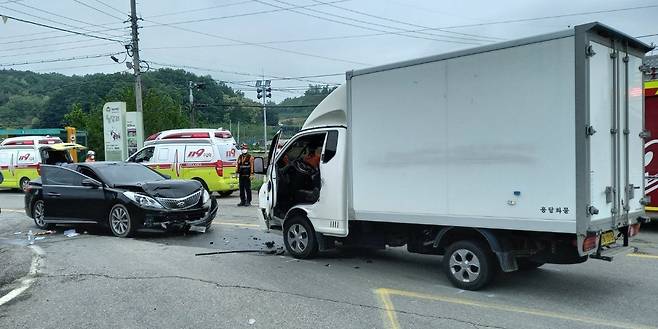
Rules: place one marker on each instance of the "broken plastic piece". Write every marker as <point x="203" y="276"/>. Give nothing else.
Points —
<point x="45" y="232"/>
<point x="252" y="321"/>
<point x="71" y="233"/>
<point x="200" y="229"/>
<point x="269" y="244"/>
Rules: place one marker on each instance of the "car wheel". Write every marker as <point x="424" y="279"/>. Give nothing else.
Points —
<point x="225" y="193"/>
<point x="24" y="183"/>
<point x="528" y="265"/>
<point x="469" y="265"/>
<point x="121" y="224"/>
<point x="38" y="211"/>
<point x="299" y="238"/>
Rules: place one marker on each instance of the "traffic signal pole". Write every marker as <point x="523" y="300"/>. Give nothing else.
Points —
<point x="264" y="91"/>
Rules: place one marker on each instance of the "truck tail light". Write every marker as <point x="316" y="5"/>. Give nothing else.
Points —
<point x="590" y="242"/>
<point x="634" y="230"/>
<point x="219" y="167"/>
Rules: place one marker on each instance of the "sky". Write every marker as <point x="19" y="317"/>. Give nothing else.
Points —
<point x="292" y="42"/>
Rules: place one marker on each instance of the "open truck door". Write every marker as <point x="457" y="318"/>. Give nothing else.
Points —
<point x="267" y="192"/>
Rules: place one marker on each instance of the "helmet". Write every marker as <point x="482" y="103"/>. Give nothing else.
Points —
<point x="244" y="146"/>
<point x="91" y="153"/>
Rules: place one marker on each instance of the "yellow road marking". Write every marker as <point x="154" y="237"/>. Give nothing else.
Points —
<point x="385" y="298"/>
<point x="236" y="224"/>
<point x="643" y="256"/>
<point x="385" y="293"/>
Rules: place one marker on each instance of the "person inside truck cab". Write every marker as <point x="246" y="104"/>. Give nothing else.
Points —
<point x="313" y="158"/>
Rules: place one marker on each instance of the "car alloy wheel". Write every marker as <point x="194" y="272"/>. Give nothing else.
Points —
<point x="464" y="265"/>
<point x="38" y="212"/>
<point x="470" y="264"/>
<point x="298" y="238"/>
<point x="120" y="222"/>
<point x="25" y="184"/>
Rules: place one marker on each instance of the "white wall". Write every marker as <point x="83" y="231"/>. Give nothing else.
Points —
<point x="457" y="137"/>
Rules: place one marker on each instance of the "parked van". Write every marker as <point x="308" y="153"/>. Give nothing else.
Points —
<point x="20" y="159"/>
<point x="206" y="155"/>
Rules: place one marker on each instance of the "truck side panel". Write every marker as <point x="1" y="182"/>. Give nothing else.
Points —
<point x="481" y="140"/>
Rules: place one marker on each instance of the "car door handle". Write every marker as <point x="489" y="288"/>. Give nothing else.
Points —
<point x="53" y="194"/>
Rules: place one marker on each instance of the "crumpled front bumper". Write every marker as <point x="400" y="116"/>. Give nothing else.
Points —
<point x="179" y="219"/>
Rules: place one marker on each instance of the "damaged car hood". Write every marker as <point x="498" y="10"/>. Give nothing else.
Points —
<point x="166" y="188"/>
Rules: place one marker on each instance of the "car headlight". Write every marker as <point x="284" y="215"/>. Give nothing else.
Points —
<point x="143" y="200"/>
<point x="205" y="197"/>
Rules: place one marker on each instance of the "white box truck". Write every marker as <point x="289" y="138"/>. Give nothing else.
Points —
<point x="506" y="156"/>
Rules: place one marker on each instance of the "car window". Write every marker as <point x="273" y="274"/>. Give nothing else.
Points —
<point x="56" y="175"/>
<point x="330" y="146"/>
<point x="163" y="154"/>
<point x="89" y="173"/>
<point x="144" y="155"/>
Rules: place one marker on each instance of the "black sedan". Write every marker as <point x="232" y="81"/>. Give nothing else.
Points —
<point x="118" y="195"/>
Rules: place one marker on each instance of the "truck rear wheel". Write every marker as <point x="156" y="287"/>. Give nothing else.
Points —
<point x="469" y="264"/>
<point x="299" y="238"/>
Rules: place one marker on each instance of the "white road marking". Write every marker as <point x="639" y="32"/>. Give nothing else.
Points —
<point x="26" y="281"/>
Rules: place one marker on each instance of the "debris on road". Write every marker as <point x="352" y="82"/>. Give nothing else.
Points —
<point x="45" y="232"/>
<point x="269" y="244"/>
<point x="18" y="233"/>
<point x="199" y="229"/>
<point x="71" y="233"/>
<point x="30" y="237"/>
<point x="221" y="252"/>
<point x="252" y="321"/>
<point x="39" y="238"/>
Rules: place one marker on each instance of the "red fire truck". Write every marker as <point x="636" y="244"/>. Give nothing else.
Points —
<point x="651" y="124"/>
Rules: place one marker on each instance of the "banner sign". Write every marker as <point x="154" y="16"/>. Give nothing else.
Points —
<point x="114" y="131"/>
<point x="134" y="132"/>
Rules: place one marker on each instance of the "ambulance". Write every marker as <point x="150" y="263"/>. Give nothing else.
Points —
<point x="20" y="159"/>
<point x="206" y="155"/>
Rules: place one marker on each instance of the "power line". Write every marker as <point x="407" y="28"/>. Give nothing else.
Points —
<point x="204" y="8"/>
<point x="98" y="10"/>
<point x="87" y="24"/>
<point x="113" y="8"/>
<point x="50" y="32"/>
<point x="58" y="29"/>
<point x="485" y="38"/>
<point x="61" y="59"/>
<point x="540" y="18"/>
<point x="647" y="35"/>
<point x="49" y="45"/>
<point x="262" y="46"/>
<point x="252" y="13"/>
<point x="55" y="50"/>
<point x="399" y="32"/>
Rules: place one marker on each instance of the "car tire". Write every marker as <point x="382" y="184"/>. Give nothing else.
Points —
<point x="528" y="265"/>
<point x="299" y="238"/>
<point x="38" y="211"/>
<point x="469" y="264"/>
<point x="121" y="223"/>
<point x="225" y="194"/>
<point x="24" y="184"/>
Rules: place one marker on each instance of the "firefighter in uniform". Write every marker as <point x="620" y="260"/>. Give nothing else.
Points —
<point x="245" y="175"/>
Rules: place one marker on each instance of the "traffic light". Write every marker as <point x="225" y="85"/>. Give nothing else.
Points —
<point x="263" y="89"/>
<point x="259" y="92"/>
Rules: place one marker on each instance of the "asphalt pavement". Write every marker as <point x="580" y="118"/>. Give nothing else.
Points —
<point x="155" y="281"/>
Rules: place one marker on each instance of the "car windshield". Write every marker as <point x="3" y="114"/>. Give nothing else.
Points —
<point x="127" y="174"/>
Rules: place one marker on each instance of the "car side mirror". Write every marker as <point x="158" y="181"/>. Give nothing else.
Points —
<point x="91" y="183"/>
<point x="259" y="166"/>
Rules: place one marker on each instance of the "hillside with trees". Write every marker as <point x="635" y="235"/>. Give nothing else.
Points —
<point x="33" y="100"/>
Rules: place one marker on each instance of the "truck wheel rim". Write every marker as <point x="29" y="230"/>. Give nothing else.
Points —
<point x="38" y="213"/>
<point x="298" y="238"/>
<point x="120" y="220"/>
<point x="464" y="265"/>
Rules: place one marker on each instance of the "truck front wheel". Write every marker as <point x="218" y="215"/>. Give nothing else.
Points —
<point x="299" y="238"/>
<point x="469" y="264"/>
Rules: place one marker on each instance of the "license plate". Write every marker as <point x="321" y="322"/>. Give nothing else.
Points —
<point x="608" y="238"/>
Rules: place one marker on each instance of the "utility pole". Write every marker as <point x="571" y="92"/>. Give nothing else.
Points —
<point x="190" y="85"/>
<point x="264" y="91"/>
<point x="238" y="132"/>
<point x="135" y="51"/>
